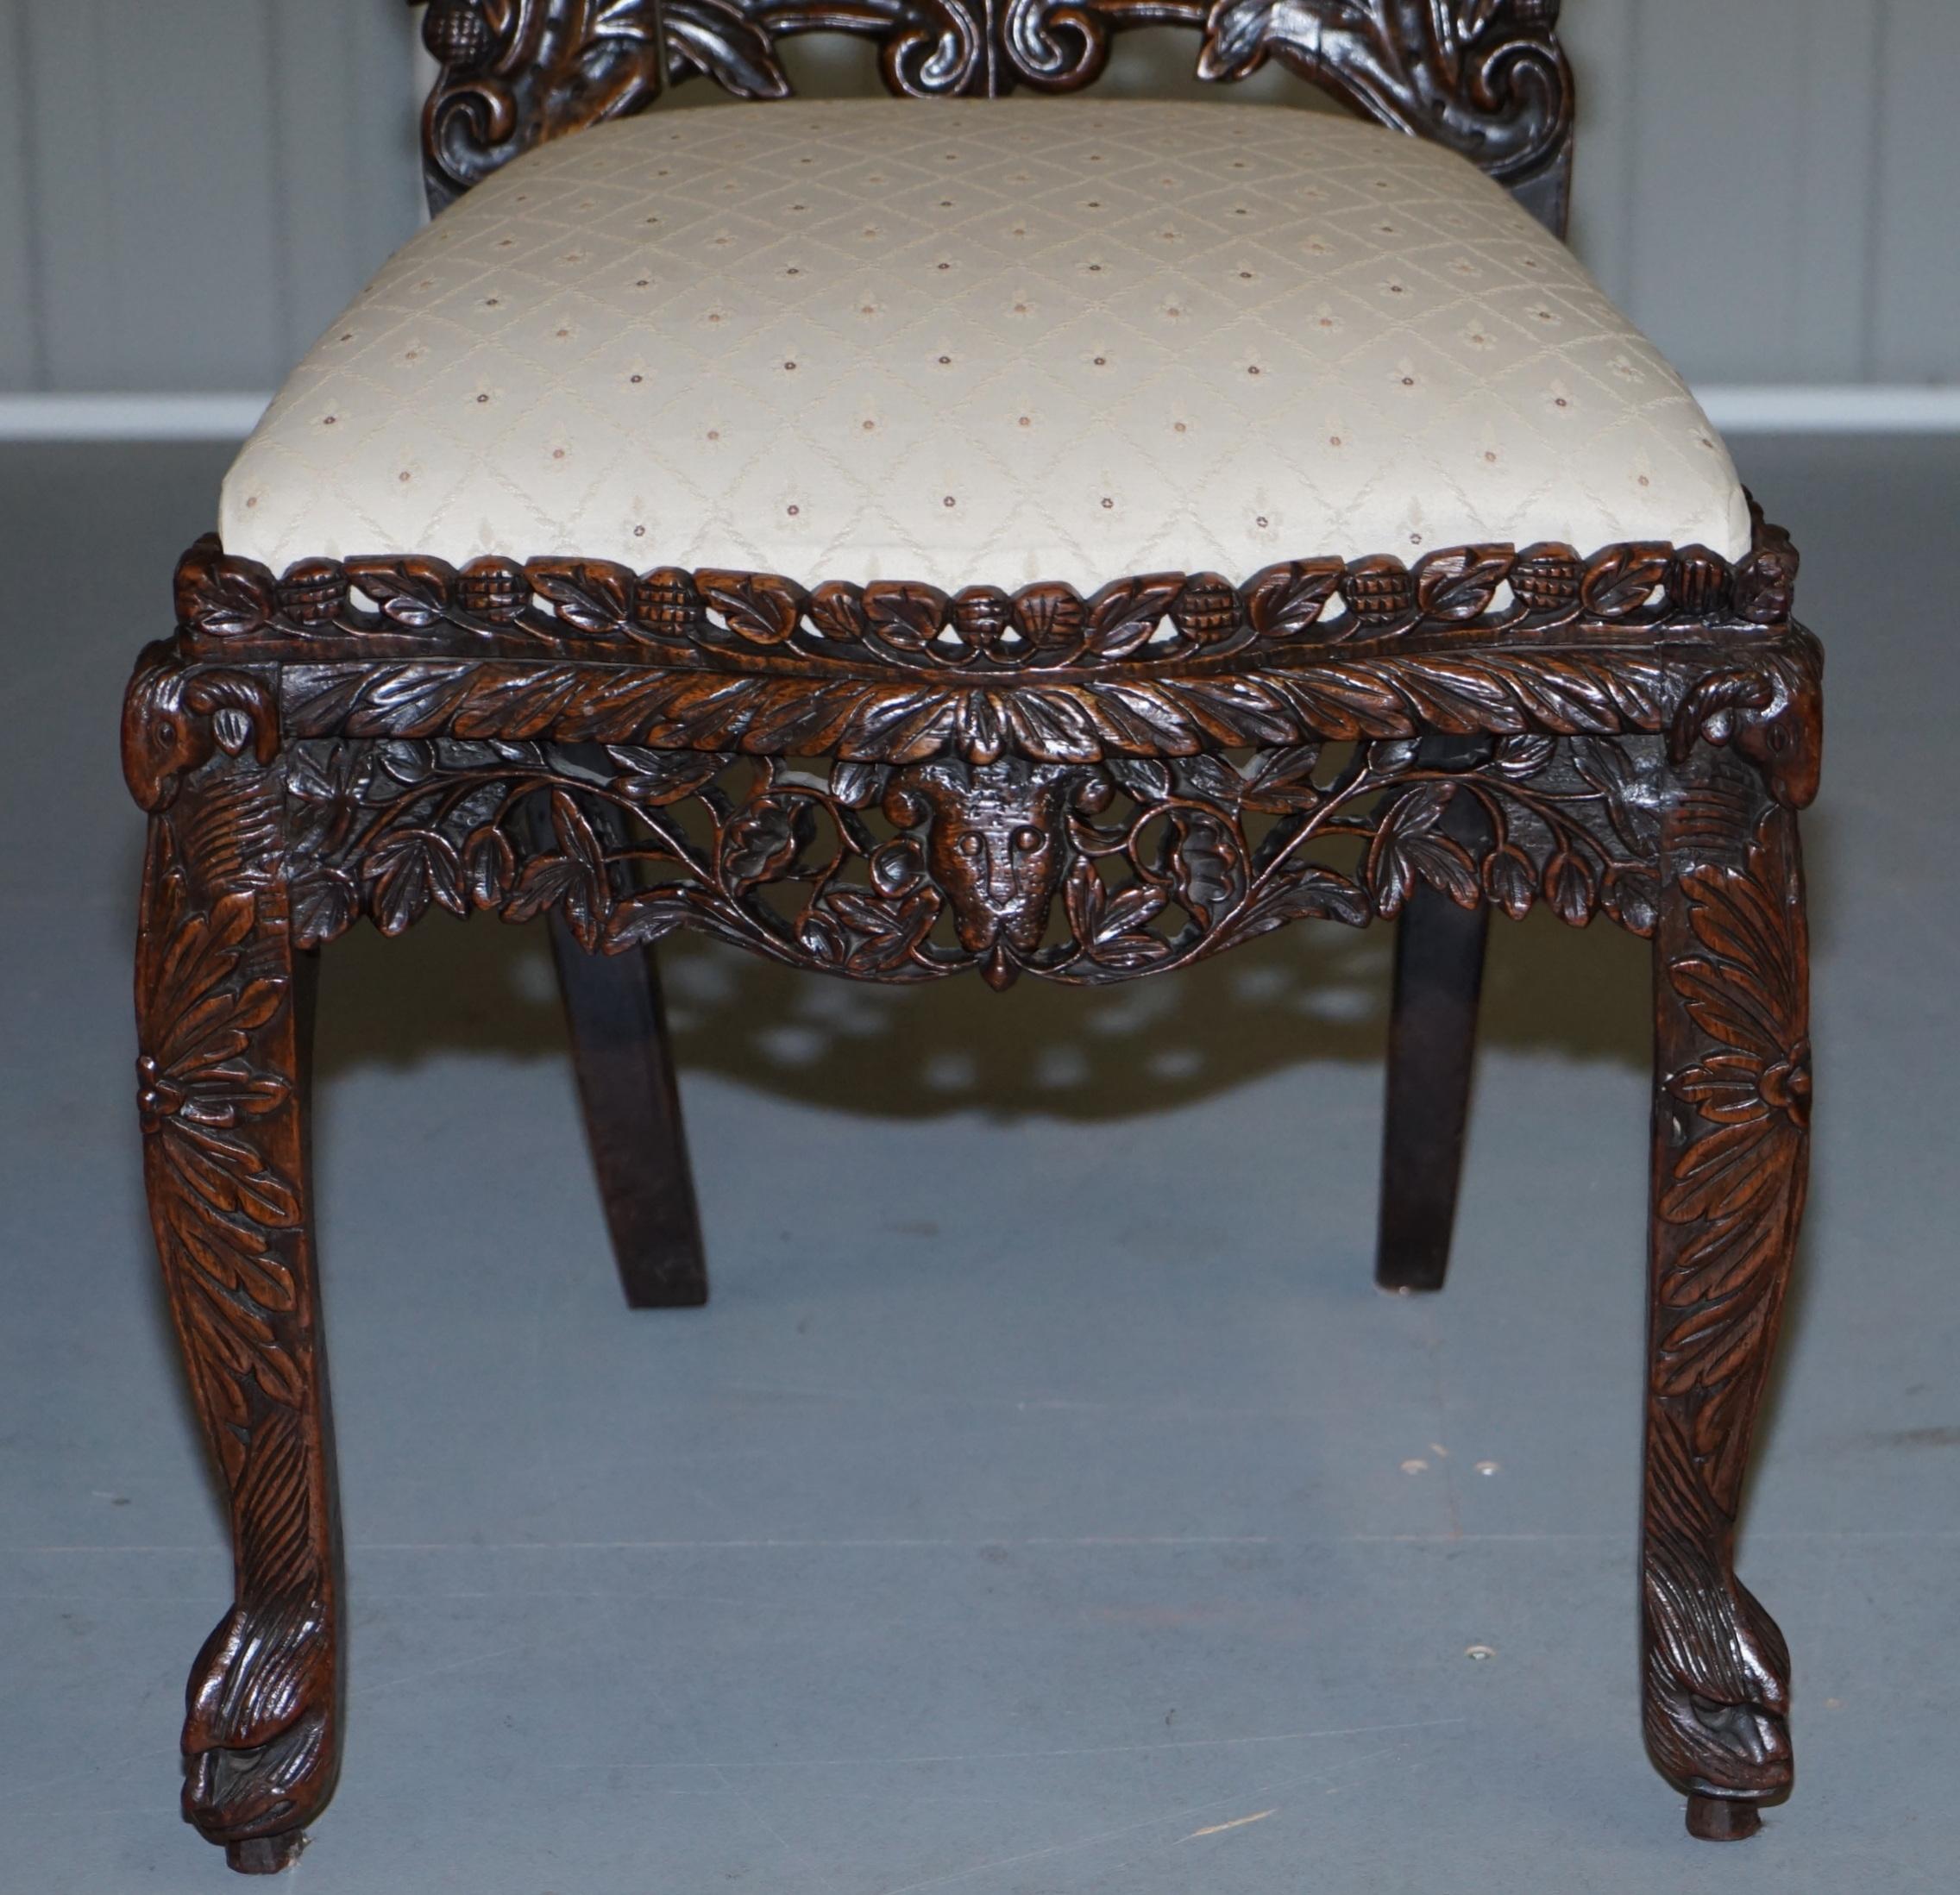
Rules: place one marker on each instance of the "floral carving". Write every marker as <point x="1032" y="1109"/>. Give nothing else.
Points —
<point x="220" y="1202"/>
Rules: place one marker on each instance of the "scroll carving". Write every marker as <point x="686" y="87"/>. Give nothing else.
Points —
<point x="518" y="73"/>
<point x="1484" y="76"/>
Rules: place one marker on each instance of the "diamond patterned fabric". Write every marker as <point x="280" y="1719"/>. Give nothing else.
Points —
<point x="980" y="341"/>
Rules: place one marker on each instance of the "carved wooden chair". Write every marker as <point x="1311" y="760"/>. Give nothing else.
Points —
<point x="1063" y="541"/>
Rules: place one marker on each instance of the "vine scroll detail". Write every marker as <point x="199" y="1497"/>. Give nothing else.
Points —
<point x="1081" y="873"/>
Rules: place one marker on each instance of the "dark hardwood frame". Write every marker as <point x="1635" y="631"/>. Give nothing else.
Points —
<point x="891" y="783"/>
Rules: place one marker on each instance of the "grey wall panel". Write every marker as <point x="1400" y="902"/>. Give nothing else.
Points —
<point x="157" y="217"/>
<point x="348" y="176"/>
<point x="20" y="328"/>
<point x="69" y="212"/>
<point x="1825" y="216"/>
<point x="1915" y="261"/>
<point x="1731" y="169"/>
<point x="189" y="191"/>
<point x="203" y="183"/>
<point x="1600" y="35"/>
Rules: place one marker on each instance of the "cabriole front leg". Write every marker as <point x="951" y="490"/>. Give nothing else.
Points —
<point x="1731" y="1148"/>
<point x="224" y="1020"/>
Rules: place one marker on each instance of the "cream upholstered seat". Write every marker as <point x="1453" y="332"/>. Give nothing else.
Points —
<point x="988" y="341"/>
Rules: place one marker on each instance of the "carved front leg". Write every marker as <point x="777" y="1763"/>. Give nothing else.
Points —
<point x="223" y="1019"/>
<point x="1730" y="1152"/>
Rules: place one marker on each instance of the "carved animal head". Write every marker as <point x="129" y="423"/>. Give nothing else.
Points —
<point x="1774" y="717"/>
<point x="1786" y="744"/>
<point x="176" y="719"/>
<point x="996" y="844"/>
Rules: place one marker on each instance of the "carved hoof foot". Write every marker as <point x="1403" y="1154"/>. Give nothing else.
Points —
<point x="1725" y="1756"/>
<point x="266" y="1854"/>
<point x="260" y="1756"/>
<point x="1722" y="1819"/>
<point x="1718" y="1697"/>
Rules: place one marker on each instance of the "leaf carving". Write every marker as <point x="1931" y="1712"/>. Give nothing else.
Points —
<point x="761" y="608"/>
<point x="1404" y="840"/>
<point x="1235" y="39"/>
<point x="1454" y="586"/>
<point x="1569" y="888"/>
<point x="653" y="779"/>
<point x="594" y="595"/>
<point x="410" y="869"/>
<point x="717" y="38"/>
<point x="1282" y="780"/>
<point x="489" y="866"/>
<point x="1124" y="614"/>
<point x="1621" y="579"/>
<point x="412" y="593"/>
<point x="1206" y="863"/>
<point x="837" y="610"/>
<point x="1113" y="932"/>
<point x="906" y="615"/>
<point x="1283" y="601"/>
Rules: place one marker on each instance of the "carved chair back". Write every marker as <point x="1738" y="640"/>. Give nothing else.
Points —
<point x="1487" y="77"/>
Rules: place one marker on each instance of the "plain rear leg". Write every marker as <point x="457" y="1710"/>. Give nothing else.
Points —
<point x="1432" y="1040"/>
<point x="632" y="1119"/>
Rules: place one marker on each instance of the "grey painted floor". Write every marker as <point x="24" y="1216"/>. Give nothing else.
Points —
<point x="1047" y="1503"/>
